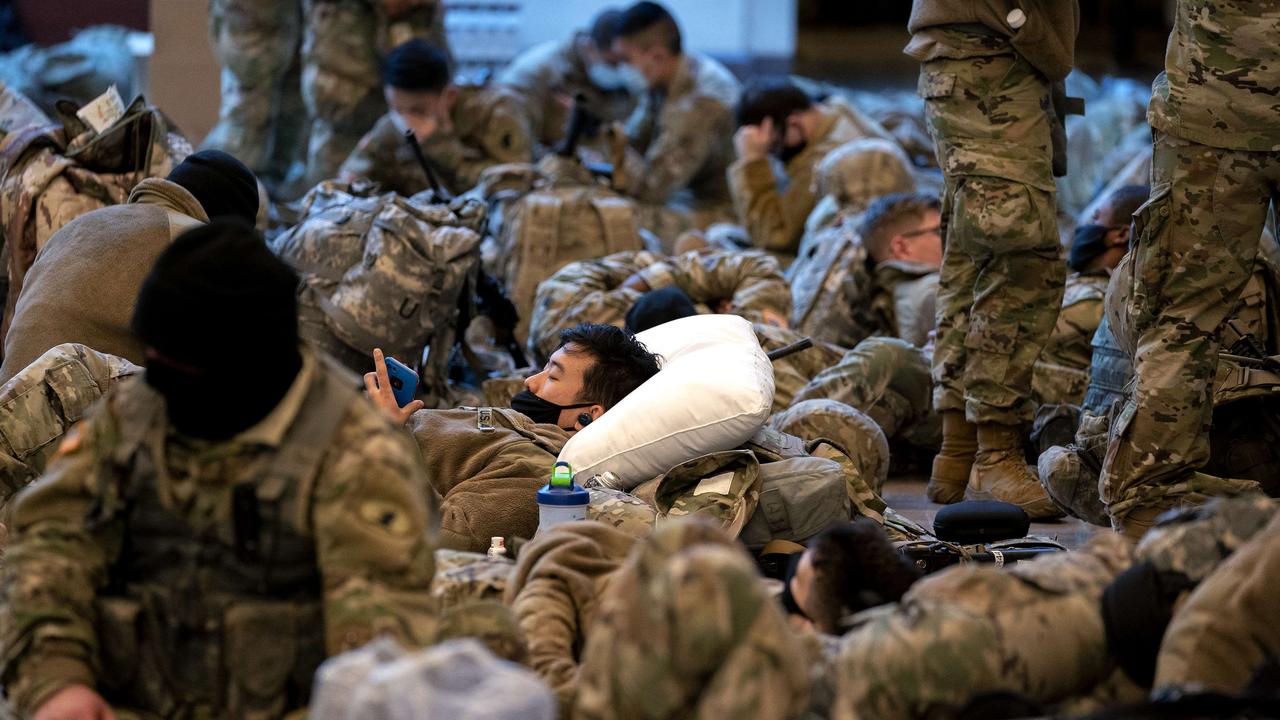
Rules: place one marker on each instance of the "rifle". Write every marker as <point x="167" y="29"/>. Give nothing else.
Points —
<point x="792" y="349"/>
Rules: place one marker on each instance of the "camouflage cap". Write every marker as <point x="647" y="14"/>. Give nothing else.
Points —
<point x="850" y="429"/>
<point x="1194" y="541"/>
<point x="862" y="170"/>
<point x="724" y="487"/>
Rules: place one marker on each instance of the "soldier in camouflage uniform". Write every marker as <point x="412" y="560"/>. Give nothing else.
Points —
<point x="1215" y="172"/>
<point x="687" y="629"/>
<point x="206" y="536"/>
<point x="778" y="119"/>
<point x="681" y="133"/>
<point x="342" y="43"/>
<point x="462" y="130"/>
<point x="262" y="120"/>
<point x="830" y="279"/>
<point x="43" y="401"/>
<point x="902" y="236"/>
<point x="550" y="76"/>
<point x="1062" y="372"/>
<point x="985" y="76"/>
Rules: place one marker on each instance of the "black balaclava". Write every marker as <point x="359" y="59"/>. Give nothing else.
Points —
<point x="224" y="187"/>
<point x="657" y="307"/>
<point x="219" y="316"/>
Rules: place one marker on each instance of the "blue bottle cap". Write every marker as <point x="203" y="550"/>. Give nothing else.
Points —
<point x="563" y="496"/>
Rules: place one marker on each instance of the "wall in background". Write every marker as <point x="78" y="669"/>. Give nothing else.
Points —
<point x="48" y="22"/>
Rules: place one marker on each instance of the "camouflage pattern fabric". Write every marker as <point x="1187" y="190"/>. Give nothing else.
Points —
<point x="489" y="128"/>
<point x="588" y="291"/>
<point x="621" y="510"/>
<point x="1002" y="271"/>
<point x="352" y="512"/>
<point x="555" y="592"/>
<point x="687" y="629"/>
<point x="488" y="621"/>
<point x="1221" y="636"/>
<point x="1061" y="374"/>
<point x="565" y="215"/>
<point x="888" y="380"/>
<point x="1175" y="316"/>
<point x="682" y="140"/>
<point x="18" y="112"/>
<point x="830" y="284"/>
<point x="262" y="121"/>
<point x="41" y="403"/>
<point x="549" y="77"/>
<point x="52" y="176"/>
<point x="793" y="372"/>
<point x="723" y="487"/>
<point x="1219" y="55"/>
<point x="382" y="271"/>
<point x="463" y="576"/>
<point x="1194" y="541"/>
<point x="774" y="213"/>
<point x="343" y="41"/>
<point x="1034" y="629"/>
<point x="904" y="300"/>
<point x="853" y="431"/>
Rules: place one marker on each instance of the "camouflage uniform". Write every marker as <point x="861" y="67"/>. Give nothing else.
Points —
<point x="463" y="577"/>
<point x="1215" y="171"/>
<point x="905" y="299"/>
<point x="549" y="77"/>
<point x="341" y="86"/>
<point x="888" y="379"/>
<point x="588" y="291"/>
<point x="774" y="211"/>
<point x="853" y="431"/>
<point x="489" y="128"/>
<point x="1002" y="272"/>
<point x="1034" y="629"/>
<point x="687" y="629"/>
<point x="262" y="121"/>
<point x="830" y="281"/>
<point x="43" y="401"/>
<point x="1061" y="374"/>
<point x="143" y="582"/>
<point x="793" y="372"/>
<point x="682" y="144"/>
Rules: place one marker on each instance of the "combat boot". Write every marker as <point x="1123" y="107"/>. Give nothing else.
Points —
<point x="1136" y="524"/>
<point x="952" y="464"/>
<point x="1000" y="472"/>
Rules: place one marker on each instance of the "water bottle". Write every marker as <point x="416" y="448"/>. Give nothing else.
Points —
<point x="561" y="500"/>
<point x="497" y="547"/>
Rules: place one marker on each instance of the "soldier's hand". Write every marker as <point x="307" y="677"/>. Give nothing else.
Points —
<point x="752" y="141"/>
<point x="379" y="387"/>
<point x="75" y="702"/>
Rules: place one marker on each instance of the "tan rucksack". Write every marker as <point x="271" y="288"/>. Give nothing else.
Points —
<point x="383" y="271"/>
<point x="52" y="174"/>
<point x="546" y="216"/>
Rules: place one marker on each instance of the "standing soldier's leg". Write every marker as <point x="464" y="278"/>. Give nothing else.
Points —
<point x="340" y="84"/>
<point x="255" y="41"/>
<point x="1194" y="245"/>
<point x="289" y="144"/>
<point x="1003" y="274"/>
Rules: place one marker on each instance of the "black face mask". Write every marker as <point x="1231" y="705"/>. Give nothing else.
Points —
<point x="787" y="152"/>
<point x="541" y="411"/>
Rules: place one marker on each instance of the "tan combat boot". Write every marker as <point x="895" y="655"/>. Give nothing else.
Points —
<point x="1000" y="472"/>
<point x="953" y="462"/>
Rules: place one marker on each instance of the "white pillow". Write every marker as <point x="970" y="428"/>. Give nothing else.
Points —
<point x="713" y="393"/>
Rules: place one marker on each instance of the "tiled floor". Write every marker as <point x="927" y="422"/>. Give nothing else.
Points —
<point x="906" y="495"/>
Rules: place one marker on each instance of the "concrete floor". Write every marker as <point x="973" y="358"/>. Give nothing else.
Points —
<point x="906" y="495"/>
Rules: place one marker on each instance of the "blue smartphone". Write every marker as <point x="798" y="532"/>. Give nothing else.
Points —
<point x="404" y="381"/>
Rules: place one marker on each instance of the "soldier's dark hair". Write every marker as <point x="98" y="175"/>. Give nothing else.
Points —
<point x="891" y="215"/>
<point x="621" y="362"/>
<point x="604" y="29"/>
<point x="417" y="66"/>
<point x="776" y="98"/>
<point x="855" y="567"/>
<point x="648" y="24"/>
<point x="1124" y="202"/>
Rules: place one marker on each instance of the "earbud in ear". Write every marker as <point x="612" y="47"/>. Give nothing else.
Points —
<point x="584" y="419"/>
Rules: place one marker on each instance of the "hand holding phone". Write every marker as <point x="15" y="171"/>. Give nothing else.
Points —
<point x="392" y="386"/>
